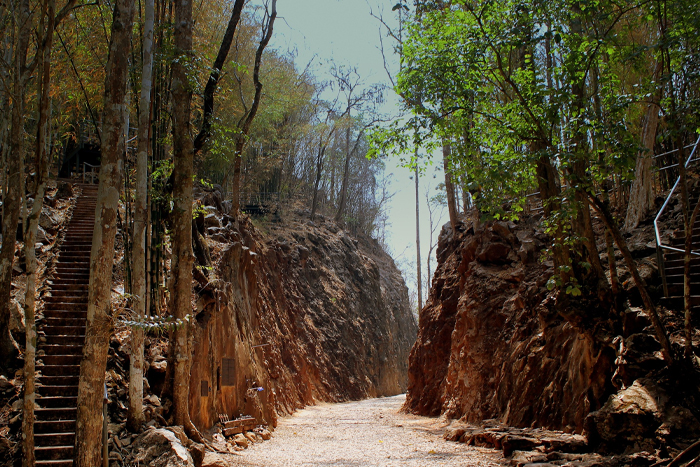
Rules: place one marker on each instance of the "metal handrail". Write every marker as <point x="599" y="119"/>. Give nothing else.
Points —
<point x="659" y="244"/>
<point x="92" y="171"/>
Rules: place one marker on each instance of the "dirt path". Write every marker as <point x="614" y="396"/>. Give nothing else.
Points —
<point x="365" y="433"/>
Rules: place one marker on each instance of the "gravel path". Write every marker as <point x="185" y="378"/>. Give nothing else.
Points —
<point x="365" y="433"/>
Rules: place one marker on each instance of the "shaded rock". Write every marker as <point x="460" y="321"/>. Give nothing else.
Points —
<point x="521" y="458"/>
<point x="211" y="459"/>
<point x="241" y="440"/>
<point x="637" y="418"/>
<point x="160" y="448"/>
<point x="495" y="252"/>
<point x="210" y="220"/>
<point x="198" y="452"/>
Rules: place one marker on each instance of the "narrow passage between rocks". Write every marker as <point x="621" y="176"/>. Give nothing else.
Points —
<point x="365" y="433"/>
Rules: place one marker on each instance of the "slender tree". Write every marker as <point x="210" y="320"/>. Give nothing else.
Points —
<point x="135" y="409"/>
<point x="419" y="274"/>
<point x="88" y="452"/>
<point x="20" y="74"/>
<point x="249" y="114"/>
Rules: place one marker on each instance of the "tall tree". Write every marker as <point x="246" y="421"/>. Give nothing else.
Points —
<point x="419" y="275"/>
<point x="182" y="257"/>
<point x="135" y="409"/>
<point x="42" y="157"/>
<point x="212" y="83"/>
<point x="20" y="73"/>
<point x="99" y="326"/>
<point x="249" y="113"/>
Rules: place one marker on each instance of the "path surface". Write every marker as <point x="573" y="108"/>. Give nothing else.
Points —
<point x="365" y="433"/>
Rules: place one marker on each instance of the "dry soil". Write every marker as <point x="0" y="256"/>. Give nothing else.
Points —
<point x="365" y="433"/>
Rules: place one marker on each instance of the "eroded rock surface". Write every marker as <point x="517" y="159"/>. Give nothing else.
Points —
<point x="304" y="312"/>
<point x="489" y="346"/>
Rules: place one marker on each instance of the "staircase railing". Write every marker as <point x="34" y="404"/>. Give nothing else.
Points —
<point x="660" y="247"/>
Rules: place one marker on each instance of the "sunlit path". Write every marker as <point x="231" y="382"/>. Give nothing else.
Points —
<point x="365" y="433"/>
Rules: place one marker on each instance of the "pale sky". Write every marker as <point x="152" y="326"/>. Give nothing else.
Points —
<point x="343" y="31"/>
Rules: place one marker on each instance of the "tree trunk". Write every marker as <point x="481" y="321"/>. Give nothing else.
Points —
<point x="212" y="83"/>
<point x="319" y="171"/>
<point x="247" y="119"/>
<point x="418" y="265"/>
<point x="13" y="191"/>
<point x="135" y="410"/>
<point x="449" y="188"/>
<point x="42" y="172"/>
<point x="604" y="210"/>
<point x="346" y="175"/>
<point x="642" y="191"/>
<point x="182" y="257"/>
<point x="88" y="452"/>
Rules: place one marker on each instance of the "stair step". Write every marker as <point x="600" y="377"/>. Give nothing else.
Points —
<point x="59" y="370"/>
<point x="63" y="340"/>
<point x="55" y="463"/>
<point x="53" y="452"/>
<point x="57" y="414"/>
<point x="54" y="439"/>
<point x="678" y="279"/>
<point x="677" y="302"/>
<point x="62" y="349"/>
<point x="69" y="295"/>
<point x="52" y="303"/>
<point x="64" y="330"/>
<point x="58" y="380"/>
<point x="62" y="401"/>
<point x="68" y="280"/>
<point x="54" y="426"/>
<point x="59" y="360"/>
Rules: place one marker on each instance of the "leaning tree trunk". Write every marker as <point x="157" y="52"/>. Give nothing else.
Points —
<point x="247" y="119"/>
<point x="346" y="175"/>
<point x="42" y="172"/>
<point x="88" y="452"/>
<point x="317" y="181"/>
<point x="13" y="191"/>
<point x="134" y="415"/>
<point x="604" y="210"/>
<point x="449" y="187"/>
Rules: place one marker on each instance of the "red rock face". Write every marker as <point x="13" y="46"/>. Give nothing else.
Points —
<point x="490" y="345"/>
<point x="308" y="314"/>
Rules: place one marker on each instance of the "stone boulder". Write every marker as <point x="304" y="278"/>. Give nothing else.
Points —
<point x="638" y="418"/>
<point x="159" y="447"/>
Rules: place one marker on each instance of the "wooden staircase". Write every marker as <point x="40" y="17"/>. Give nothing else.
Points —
<point x="61" y="338"/>
<point x="671" y="255"/>
<point x="673" y="269"/>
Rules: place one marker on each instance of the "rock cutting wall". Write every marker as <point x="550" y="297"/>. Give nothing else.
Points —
<point x="490" y="345"/>
<point x="305" y="312"/>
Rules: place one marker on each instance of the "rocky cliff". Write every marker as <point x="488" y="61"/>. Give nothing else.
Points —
<point x="495" y="348"/>
<point x="488" y="344"/>
<point x="300" y="313"/>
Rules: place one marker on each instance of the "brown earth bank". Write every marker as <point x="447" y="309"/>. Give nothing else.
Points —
<point x="496" y="348"/>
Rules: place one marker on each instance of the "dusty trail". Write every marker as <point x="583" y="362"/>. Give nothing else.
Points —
<point x="365" y="433"/>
